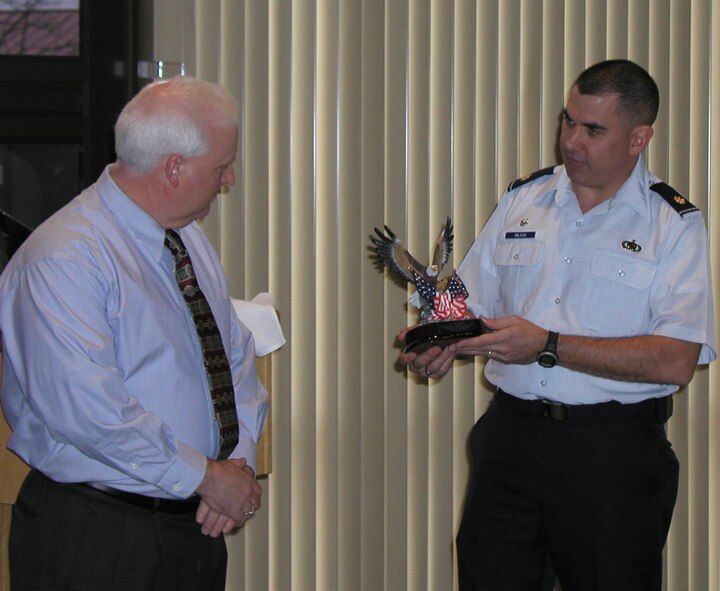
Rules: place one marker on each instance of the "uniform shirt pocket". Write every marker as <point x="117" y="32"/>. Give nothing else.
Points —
<point x="617" y="296"/>
<point x="518" y="266"/>
<point x="518" y="252"/>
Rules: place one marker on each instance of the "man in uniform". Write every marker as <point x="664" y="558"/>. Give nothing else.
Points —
<point x="594" y="278"/>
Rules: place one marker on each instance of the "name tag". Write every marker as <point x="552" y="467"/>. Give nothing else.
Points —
<point x="519" y="235"/>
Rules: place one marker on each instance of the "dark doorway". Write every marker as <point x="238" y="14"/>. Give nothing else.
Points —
<point x="63" y="79"/>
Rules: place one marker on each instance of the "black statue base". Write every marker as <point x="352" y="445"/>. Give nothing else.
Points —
<point x="442" y="333"/>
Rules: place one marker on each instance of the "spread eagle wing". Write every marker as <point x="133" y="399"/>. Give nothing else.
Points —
<point x="443" y="246"/>
<point x="393" y="254"/>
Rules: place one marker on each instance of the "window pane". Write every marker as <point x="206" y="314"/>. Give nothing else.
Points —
<point x="40" y="27"/>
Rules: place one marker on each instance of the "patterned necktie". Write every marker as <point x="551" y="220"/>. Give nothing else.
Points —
<point x="215" y="361"/>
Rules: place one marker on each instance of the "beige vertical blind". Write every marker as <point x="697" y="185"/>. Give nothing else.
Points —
<point x="359" y="113"/>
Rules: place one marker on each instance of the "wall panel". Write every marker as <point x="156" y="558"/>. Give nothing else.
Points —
<point x="358" y="113"/>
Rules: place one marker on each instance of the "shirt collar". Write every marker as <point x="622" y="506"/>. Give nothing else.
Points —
<point x="633" y="192"/>
<point x="133" y="218"/>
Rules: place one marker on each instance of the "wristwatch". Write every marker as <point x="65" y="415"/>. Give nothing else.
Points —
<point x="548" y="357"/>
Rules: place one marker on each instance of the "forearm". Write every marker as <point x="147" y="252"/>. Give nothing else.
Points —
<point x="650" y="359"/>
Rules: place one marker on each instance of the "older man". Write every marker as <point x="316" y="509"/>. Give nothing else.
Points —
<point x="129" y="382"/>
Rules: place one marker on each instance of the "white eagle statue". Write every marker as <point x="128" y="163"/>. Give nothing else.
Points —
<point x="439" y="298"/>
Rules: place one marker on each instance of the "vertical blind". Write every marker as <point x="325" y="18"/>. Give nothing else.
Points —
<point x="359" y="113"/>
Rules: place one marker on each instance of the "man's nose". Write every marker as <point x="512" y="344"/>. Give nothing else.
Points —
<point x="570" y="137"/>
<point x="228" y="178"/>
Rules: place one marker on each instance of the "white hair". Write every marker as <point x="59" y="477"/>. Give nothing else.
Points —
<point x="171" y="117"/>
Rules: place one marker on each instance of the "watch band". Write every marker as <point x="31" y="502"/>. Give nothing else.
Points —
<point x="548" y="357"/>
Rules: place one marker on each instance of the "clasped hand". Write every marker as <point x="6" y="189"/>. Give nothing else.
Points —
<point x="229" y="496"/>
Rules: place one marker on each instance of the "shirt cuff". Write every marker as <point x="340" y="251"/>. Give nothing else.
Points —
<point x="185" y="474"/>
<point x="246" y="448"/>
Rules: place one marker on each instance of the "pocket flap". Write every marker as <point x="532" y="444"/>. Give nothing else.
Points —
<point x="518" y="253"/>
<point x="622" y="269"/>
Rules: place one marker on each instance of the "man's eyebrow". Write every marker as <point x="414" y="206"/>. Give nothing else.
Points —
<point x="589" y="125"/>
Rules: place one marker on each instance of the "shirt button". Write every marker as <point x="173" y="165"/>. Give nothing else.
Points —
<point x="557" y="300"/>
<point x="543" y="383"/>
<point x="567" y="259"/>
<point x="177" y="486"/>
<point x="516" y="256"/>
<point x="621" y="273"/>
<point x="133" y="465"/>
<point x="578" y="223"/>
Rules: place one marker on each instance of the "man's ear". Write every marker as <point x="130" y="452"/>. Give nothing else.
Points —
<point x="173" y="166"/>
<point x="640" y="138"/>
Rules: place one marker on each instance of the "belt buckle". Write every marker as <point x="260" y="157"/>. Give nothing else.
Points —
<point x="555" y="411"/>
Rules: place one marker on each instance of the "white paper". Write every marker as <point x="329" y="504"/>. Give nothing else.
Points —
<point x="260" y="317"/>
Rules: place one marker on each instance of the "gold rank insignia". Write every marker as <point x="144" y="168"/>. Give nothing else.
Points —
<point x="679" y="203"/>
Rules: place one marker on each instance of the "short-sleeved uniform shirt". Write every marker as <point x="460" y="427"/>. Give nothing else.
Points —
<point x="636" y="264"/>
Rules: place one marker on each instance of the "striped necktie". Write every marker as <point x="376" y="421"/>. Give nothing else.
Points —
<point x="215" y="361"/>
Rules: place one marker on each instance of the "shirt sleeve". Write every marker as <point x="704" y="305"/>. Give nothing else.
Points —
<point x="61" y="346"/>
<point x="251" y="398"/>
<point x="478" y="270"/>
<point x="681" y="299"/>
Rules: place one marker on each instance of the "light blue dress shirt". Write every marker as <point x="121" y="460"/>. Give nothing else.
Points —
<point x="630" y="266"/>
<point x="103" y="380"/>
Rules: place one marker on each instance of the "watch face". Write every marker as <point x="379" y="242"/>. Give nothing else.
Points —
<point x="547" y="359"/>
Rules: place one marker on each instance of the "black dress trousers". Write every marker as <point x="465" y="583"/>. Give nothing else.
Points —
<point x="63" y="538"/>
<point x="594" y="496"/>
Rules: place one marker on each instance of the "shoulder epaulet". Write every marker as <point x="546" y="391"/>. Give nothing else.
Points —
<point x="673" y="198"/>
<point x="530" y="177"/>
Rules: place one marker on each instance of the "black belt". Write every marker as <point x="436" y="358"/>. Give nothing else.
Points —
<point x="660" y="409"/>
<point x="174" y="506"/>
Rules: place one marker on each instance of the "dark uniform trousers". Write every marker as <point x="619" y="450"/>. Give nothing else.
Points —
<point x="593" y="495"/>
<point x="70" y="537"/>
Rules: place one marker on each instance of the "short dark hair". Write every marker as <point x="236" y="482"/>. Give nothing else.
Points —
<point x="639" y="95"/>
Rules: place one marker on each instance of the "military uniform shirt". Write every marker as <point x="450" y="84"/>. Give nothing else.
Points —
<point x="632" y="265"/>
